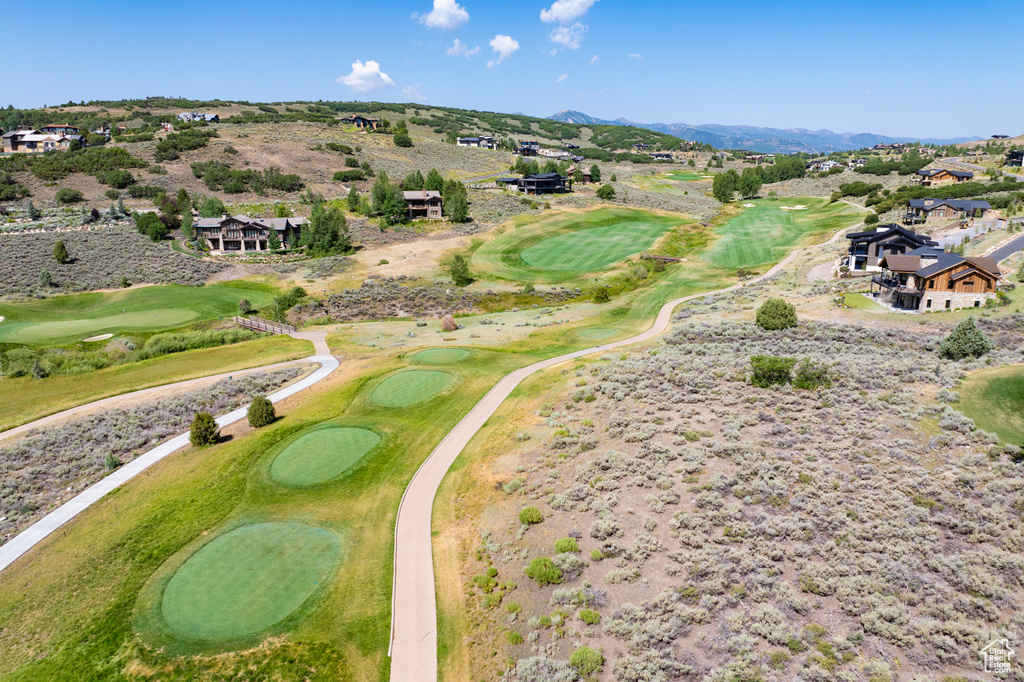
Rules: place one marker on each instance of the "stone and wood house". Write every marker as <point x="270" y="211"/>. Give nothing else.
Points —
<point x="424" y="203"/>
<point x="242" y="234"/>
<point x="930" y="279"/>
<point x="934" y="177"/>
<point x="928" y="210"/>
<point x="361" y="121"/>
<point x="868" y="248"/>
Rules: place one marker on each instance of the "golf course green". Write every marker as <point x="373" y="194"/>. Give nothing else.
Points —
<point x="411" y="387"/>
<point x="994" y="399"/>
<point x="440" y="356"/>
<point x="321" y="455"/>
<point x="688" y="176"/>
<point x="76" y="316"/>
<point x="765" y="231"/>
<point x="562" y="246"/>
<point x="247" y="580"/>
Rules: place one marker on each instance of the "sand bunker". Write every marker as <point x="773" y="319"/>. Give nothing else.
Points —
<point x="749" y="205"/>
<point x="798" y="207"/>
<point x="1" y="318"/>
<point x="101" y="337"/>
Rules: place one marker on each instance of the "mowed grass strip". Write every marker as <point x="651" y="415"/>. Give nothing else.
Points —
<point x="763" y="233"/>
<point x="593" y="249"/>
<point x="440" y="356"/>
<point x="321" y="455"/>
<point x="994" y="399"/>
<point x="75" y="316"/>
<point x="24" y="399"/>
<point x="411" y="387"/>
<point x="248" y="580"/>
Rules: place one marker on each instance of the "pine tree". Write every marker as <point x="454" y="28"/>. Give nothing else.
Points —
<point x="775" y="314"/>
<point x="273" y="241"/>
<point x="457" y="208"/>
<point x="186" y="224"/>
<point x="261" y="412"/>
<point x="353" y="199"/>
<point x="459" y="270"/>
<point x="595" y="173"/>
<point x="965" y="341"/>
<point x="204" y="430"/>
<point x="434" y="181"/>
<point x="60" y="252"/>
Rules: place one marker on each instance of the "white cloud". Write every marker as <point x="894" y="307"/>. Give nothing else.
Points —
<point x="637" y="56"/>
<point x="460" y="48"/>
<point x="569" y="36"/>
<point x="564" y="11"/>
<point x="505" y="46"/>
<point x="366" y="77"/>
<point x="561" y="78"/>
<point x="446" y="15"/>
<point x="413" y="92"/>
<point x="593" y="60"/>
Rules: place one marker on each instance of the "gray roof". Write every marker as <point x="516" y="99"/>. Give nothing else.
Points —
<point x="945" y="261"/>
<point x="422" y="194"/>
<point x="929" y="172"/>
<point x="959" y="204"/>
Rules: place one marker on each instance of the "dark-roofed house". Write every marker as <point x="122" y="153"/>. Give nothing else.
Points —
<point x="662" y="156"/>
<point x="528" y="148"/>
<point x="361" y="121"/>
<point x="1015" y="157"/>
<point x="483" y="141"/>
<point x="423" y="203"/>
<point x="61" y="129"/>
<point x="933" y="177"/>
<point x="241" y="234"/>
<point x="542" y="183"/>
<point x="641" y="147"/>
<point x="869" y="247"/>
<point x="946" y="209"/>
<point x="930" y="279"/>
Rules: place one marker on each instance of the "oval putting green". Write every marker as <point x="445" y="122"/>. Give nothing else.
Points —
<point x="440" y="356"/>
<point x="321" y="455"/>
<point x="411" y="387"/>
<point x="247" y="580"/>
<point x="593" y="248"/>
<point x="37" y="332"/>
<point x="597" y="333"/>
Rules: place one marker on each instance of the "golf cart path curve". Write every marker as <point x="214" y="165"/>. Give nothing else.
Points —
<point x="413" y="646"/>
<point x="28" y="538"/>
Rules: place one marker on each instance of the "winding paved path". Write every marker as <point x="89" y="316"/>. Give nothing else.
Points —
<point x="35" y="533"/>
<point x="413" y="647"/>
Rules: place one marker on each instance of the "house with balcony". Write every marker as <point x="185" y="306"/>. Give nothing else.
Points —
<point x="423" y="203"/>
<point x="868" y="248"/>
<point x="61" y="129"/>
<point x="928" y="210"/>
<point x="242" y="234"/>
<point x="929" y="279"/>
<point x="935" y="177"/>
<point x="483" y="141"/>
<point x="1015" y="157"/>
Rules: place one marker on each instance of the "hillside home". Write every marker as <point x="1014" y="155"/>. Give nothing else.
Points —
<point x="543" y="183"/>
<point x="868" y="248"/>
<point x="528" y="148"/>
<point x="190" y="117"/>
<point x="945" y="209"/>
<point x="361" y="121"/>
<point x="35" y="142"/>
<point x="822" y="166"/>
<point x="930" y="279"/>
<point x="582" y="176"/>
<point x="242" y="234"/>
<point x="423" y="204"/>
<point x="556" y="154"/>
<point x="858" y="163"/>
<point x="641" y="147"/>
<point x="661" y="156"/>
<point x="60" y="129"/>
<point x="484" y="142"/>
<point x="1015" y="158"/>
<point x="933" y="177"/>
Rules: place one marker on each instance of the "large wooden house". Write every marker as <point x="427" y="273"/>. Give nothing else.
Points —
<point x="242" y="234"/>
<point x="34" y="142"/>
<point x="543" y="183"/>
<point x="361" y="121"/>
<point x="868" y="248"/>
<point x="934" y="177"/>
<point x="424" y="204"/>
<point x="61" y="129"/>
<point x="930" y="279"/>
<point x="945" y="209"/>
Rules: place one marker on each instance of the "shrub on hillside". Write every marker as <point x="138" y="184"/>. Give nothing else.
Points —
<point x="68" y="196"/>
<point x="567" y="545"/>
<point x="60" y="252"/>
<point x="811" y="375"/>
<point x="770" y="369"/>
<point x="204" y="430"/>
<point x="606" y="192"/>
<point x="775" y="314"/>
<point x="601" y="295"/>
<point x="544" y="571"/>
<point x="586" y="660"/>
<point x="448" y="324"/>
<point x="261" y="412"/>
<point x="530" y="516"/>
<point x="965" y="341"/>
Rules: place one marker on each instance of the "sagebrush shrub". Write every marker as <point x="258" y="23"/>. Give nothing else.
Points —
<point x="544" y="571"/>
<point x="770" y="369"/>
<point x="530" y="515"/>
<point x="586" y="660"/>
<point x="567" y="545"/>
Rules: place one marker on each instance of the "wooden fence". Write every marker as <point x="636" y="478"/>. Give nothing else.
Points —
<point x="260" y="325"/>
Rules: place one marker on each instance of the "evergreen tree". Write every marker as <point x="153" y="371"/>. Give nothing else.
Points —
<point x="327" y="232"/>
<point x="261" y="412"/>
<point x="459" y="270"/>
<point x="775" y="314"/>
<point x="273" y="241"/>
<point x="353" y="199"/>
<point x="394" y="209"/>
<point x="121" y="209"/>
<point x="204" y="430"/>
<point x="965" y="341"/>
<point x="60" y="252"/>
<point x="401" y="137"/>
<point x="45" y="279"/>
<point x="413" y="181"/>
<point x="595" y="173"/>
<point x="379" y="192"/>
<point x="33" y="212"/>
<point x="434" y="181"/>
<point x="186" y="224"/>
<point x="457" y="208"/>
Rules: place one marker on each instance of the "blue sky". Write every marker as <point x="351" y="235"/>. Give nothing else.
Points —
<point x="900" y="67"/>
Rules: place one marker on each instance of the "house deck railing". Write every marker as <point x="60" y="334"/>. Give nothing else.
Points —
<point x="260" y="325"/>
<point x="894" y="284"/>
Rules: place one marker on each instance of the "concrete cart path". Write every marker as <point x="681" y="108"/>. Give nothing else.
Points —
<point x="35" y="533"/>
<point x="413" y="647"/>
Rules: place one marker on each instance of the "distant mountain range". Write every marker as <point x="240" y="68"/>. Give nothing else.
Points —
<point x="752" y="138"/>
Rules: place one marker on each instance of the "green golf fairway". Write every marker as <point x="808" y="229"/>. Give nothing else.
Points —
<point x="411" y="387"/>
<point x="322" y="455"/>
<point x="593" y="248"/>
<point x="687" y="176"/>
<point x="994" y="399"/>
<point x="76" y="316"/>
<point x="764" y="232"/>
<point x="248" y="580"/>
<point x="597" y="333"/>
<point x="440" y="356"/>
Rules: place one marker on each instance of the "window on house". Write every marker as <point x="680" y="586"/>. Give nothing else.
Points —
<point x="948" y="303"/>
<point x="969" y="283"/>
<point x="929" y="304"/>
<point x="931" y="284"/>
<point x="977" y="304"/>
